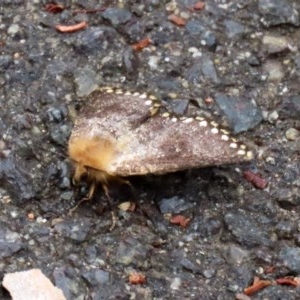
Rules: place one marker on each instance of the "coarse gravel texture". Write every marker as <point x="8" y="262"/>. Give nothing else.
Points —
<point x="242" y="54"/>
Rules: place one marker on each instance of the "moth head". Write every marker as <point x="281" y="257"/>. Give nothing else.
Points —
<point x="92" y="157"/>
<point x="81" y="173"/>
<point x="88" y="174"/>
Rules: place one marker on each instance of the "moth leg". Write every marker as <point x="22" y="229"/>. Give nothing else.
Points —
<point x="128" y="183"/>
<point x="113" y="221"/>
<point x="89" y="196"/>
<point x="91" y="192"/>
<point x="113" y="216"/>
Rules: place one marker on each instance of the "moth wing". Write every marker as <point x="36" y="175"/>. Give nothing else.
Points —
<point x="162" y="145"/>
<point x="155" y="144"/>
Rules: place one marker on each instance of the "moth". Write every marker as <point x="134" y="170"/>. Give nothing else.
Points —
<point x="120" y="133"/>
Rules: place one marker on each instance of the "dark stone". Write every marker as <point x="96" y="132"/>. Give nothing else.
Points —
<point x="62" y="281"/>
<point x="194" y="27"/>
<point x="202" y="70"/>
<point x="131" y="251"/>
<point x="117" y="16"/>
<point x="57" y="114"/>
<point x="15" y="180"/>
<point x="242" y="114"/>
<point x="290" y="258"/>
<point x="131" y="63"/>
<point x="285" y="229"/>
<point x="181" y="261"/>
<point x="206" y="226"/>
<point x="76" y="231"/>
<point x="174" y="205"/>
<point x="189" y="265"/>
<point x="60" y="134"/>
<point x="95" y="39"/>
<point x="197" y="32"/>
<point x="210" y="40"/>
<point x="168" y="84"/>
<point x="96" y="277"/>
<point x="208" y="69"/>
<point x="5" y="61"/>
<point x="178" y="106"/>
<point x="278" y="12"/>
<point x="10" y="242"/>
<point x="233" y="29"/>
<point x="290" y="107"/>
<point x="135" y="30"/>
<point x="246" y="230"/>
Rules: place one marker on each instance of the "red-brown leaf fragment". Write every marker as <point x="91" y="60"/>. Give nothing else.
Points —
<point x="137" y="278"/>
<point x="269" y="270"/>
<point x="71" y="28"/>
<point x="177" y="20"/>
<point x="141" y="44"/>
<point x="256" y="279"/>
<point x="294" y="281"/>
<point x="180" y="220"/>
<point x="31" y="216"/>
<point x="199" y="5"/>
<point x="257" y="286"/>
<point x="54" y="7"/>
<point x="255" y="179"/>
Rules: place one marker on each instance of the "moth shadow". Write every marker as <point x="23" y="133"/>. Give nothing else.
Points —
<point x="204" y="186"/>
<point x="191" y="184"/>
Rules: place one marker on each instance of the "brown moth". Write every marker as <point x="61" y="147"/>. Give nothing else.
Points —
<point x="120" y="134"/>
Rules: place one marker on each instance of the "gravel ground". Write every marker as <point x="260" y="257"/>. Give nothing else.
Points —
<point x="244" y="56"/>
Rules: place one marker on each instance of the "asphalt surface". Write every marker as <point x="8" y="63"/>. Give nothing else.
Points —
<point x="236" y="62"/>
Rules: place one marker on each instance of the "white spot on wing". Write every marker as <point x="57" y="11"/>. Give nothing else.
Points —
<point x="203" y="123"/>
<point x="214" y="130"/>
<point x="225" y="137"/>
<point x="188" y="120"/>
<point x="143" y="96"/>
<point x="241" y="152"/>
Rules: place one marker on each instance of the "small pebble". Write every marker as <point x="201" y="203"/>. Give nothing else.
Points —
<point x="273" y="117"/>
<point x="292" y="134"/>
